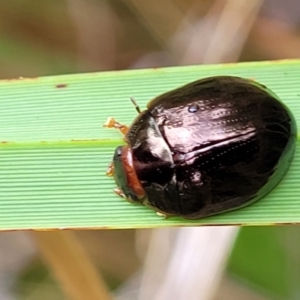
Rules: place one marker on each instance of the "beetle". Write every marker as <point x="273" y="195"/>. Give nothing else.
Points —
<point x="210" y="146"/>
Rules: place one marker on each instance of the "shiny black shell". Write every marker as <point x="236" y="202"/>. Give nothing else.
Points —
<point x="211" y="146"/>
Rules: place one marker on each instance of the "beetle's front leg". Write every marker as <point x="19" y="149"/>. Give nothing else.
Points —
<point x="119" y="192"/>
<point x="110" y="169"/>
<point x="110" y="172"/>
<point x="112" y="123"/>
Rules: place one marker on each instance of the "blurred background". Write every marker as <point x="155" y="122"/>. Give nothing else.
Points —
<point x="58" y="37"/>
<point x="40" y="38"/>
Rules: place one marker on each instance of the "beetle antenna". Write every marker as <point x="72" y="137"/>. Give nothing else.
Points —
<point x="135" y="105"/>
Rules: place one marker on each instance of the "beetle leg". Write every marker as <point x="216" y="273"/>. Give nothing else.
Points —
<point x="162" y="215"/>
<point x="112" y="123"/>
<point x="110" y="169"/>
<point x="119" y="192"/>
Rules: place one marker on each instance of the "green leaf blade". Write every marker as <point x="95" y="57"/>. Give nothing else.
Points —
<point x="54" y="150"/>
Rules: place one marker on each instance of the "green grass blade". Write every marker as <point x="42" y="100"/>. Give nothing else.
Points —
<point x="54" y="150"/>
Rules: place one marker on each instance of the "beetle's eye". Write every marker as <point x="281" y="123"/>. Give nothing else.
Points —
<point x="193" y="108"/>
<point x="118" y="151"/>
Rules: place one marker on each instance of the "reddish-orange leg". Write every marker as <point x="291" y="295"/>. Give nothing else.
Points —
<point x="112" y="123"/>
<point x="110" y="169"/>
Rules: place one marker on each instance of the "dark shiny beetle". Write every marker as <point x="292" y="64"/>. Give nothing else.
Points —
<point x="213" y="145"/>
